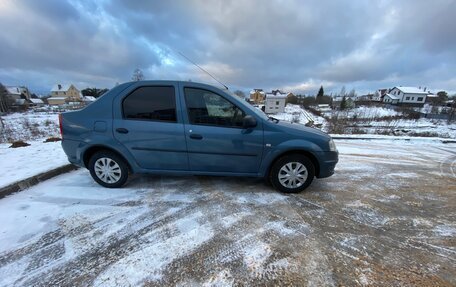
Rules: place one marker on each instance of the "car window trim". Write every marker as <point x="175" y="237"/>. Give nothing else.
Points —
<point x="151" y="120"/>
<point x="210" y="125"/>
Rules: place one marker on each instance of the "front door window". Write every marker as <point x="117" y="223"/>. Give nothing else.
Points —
<point x="207" y="108"/>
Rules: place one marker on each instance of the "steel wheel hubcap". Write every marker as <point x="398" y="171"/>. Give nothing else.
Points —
<point x="107" y="170"/>
<point x="293" y="175"/>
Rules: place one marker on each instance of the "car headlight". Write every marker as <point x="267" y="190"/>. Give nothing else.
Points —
<point x="332" y="145"/>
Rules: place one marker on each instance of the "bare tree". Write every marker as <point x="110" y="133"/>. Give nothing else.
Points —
<point x="452" y="111"/>
<point x="5" y="102"/>
<point x="240" y="94"/>
<point x="137" y="75"/>
<point x="93" y="92"/>
<point x="3" y="105"/>
<point x="352" y="94"/>
<point x="342" y="92"/>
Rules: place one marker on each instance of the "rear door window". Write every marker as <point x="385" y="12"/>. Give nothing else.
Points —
<point x="151" y="103"/>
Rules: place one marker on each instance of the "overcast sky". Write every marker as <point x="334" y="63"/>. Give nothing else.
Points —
<point x="293" y="45"/>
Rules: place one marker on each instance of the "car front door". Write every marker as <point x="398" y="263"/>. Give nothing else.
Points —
<point x="150" y="126"/>
<point x="216" y="139"/>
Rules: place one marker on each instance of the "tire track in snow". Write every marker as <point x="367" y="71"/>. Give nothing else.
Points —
<point x="86" y="266"/>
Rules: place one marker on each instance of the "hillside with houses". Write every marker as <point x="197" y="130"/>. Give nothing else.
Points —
<point x="60" y="96"/>
<point x="409" y="111"/>
<point x="25" y="115"/>
<point x="399" y="111"/>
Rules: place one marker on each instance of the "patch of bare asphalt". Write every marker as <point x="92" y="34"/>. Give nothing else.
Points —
<point x="380" y="221"/>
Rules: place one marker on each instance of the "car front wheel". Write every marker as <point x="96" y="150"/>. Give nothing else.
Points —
<point x="108" y="169"/>
<point x="292" y="173"/>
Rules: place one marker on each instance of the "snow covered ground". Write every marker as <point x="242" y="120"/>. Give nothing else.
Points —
<point x="29" y="126"/>
<point x="386" y="138"/>
<point x="364" y="112"/>
<point x="296" y="114"/>
<point x="20" y="163"/>
<point x="385" y="218"/>
<point x="369" y="121"/>
<point x="422" y="126"/>
<point x="37" y="125"/>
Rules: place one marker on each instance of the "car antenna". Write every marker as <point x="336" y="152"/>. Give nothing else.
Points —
<point x="202" y="69"/>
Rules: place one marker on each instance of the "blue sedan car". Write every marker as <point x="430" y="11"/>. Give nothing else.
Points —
<point x="181" y="128"/>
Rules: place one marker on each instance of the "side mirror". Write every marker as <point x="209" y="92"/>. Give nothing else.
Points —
<point x="249" y="122"/>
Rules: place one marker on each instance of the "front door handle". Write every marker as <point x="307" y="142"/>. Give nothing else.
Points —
<point x="196" y="136"/>
<point x="122" y="131"/>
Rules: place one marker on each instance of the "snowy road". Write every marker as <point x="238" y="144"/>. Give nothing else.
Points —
<point x="387" y="217"/>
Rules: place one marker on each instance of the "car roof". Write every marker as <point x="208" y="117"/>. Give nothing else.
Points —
<point x="190" y="83"/>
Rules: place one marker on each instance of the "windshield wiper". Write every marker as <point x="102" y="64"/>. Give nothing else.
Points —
<point x="273" y="119"/>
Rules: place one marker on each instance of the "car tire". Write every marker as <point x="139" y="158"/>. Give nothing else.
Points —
<point x="108" y="169"/>
<point x="292" y="173"/>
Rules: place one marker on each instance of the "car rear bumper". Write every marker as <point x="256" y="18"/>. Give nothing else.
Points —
<point x="71" y="148"/>
<point x="328" y="161"/>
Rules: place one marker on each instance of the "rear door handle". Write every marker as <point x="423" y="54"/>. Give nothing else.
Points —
<point x="122" y="131"/>
<point x="196" y="136"/>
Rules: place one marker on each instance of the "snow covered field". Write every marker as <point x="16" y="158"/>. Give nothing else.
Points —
<point x="20" y="163"/>
<point x="364" y="112"/>
<point x="294" y="113"/>
<point x="438" y="128"/>
<point x="29" y="126"/>
<point x="385" y="218"/>
<point x="371" y="121"/>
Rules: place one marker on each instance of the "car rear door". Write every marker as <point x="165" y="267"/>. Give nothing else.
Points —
<point x="148" y="121"/>
<point x="216" y="141"/>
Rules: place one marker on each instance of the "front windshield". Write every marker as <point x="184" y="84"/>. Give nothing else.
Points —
<point x="258" y="112"/>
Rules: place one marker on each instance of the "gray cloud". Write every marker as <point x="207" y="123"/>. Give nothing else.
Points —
<point x="67" y="42"/>
<point x="293" y="44"/>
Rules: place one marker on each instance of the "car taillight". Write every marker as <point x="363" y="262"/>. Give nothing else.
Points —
<point x="60" y="125"/>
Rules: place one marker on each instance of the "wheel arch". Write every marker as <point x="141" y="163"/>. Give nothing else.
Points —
<point x="88" y="153"/>
<point x="306" y="153"/>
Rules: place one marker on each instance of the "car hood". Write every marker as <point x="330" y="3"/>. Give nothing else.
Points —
<point x="299" y="129"/>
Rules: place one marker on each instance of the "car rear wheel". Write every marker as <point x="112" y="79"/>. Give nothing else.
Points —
<point x="292" y="173"/>
<point x="108" y="169"/>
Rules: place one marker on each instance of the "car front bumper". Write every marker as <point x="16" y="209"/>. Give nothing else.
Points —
<point x="328" y="161"/>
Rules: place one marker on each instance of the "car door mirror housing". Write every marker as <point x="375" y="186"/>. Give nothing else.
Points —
<point x="249" y="122"/>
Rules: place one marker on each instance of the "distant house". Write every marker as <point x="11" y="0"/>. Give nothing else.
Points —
<point x="292" y="99"/>
<point x="257" y="96"/>
<point x="368" y="98"/>
<point x="324" y="108"/>
<point x="406" y="95"/>
<point x="19" y="97"/>
<point x="336" y="100"/>
<point x="275" y="102"/>
<point x="56" y="101"/>
<point x="390" y="99"/>
<point x="88" y="99"/>
<point x="432" y="98"/>
<point x="18" y="92"/>
<point x="36" y="102"/>
<point x="380" y="94"/>
<point x="61" y="94"/>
